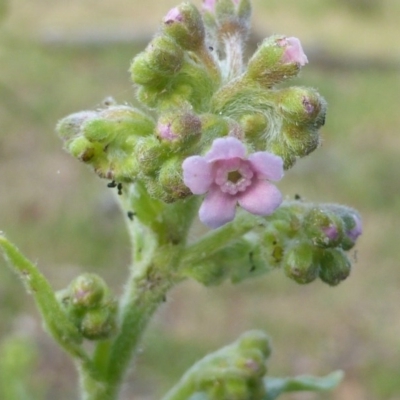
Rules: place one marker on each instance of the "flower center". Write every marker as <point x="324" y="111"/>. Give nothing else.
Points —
<point x="233" y="176"/>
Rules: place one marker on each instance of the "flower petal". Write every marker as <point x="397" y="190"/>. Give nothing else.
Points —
<point x="294" y="52"/>
<point x="262" y="198"/>
<point x="218" y="208"/>
<point x="267" y="165"/>
<point x="225" y="148"/>
<point x="197" y="174"/>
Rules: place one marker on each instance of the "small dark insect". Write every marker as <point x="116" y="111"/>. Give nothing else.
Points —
<point x="112" y="184"/>
<point x="130" y="215"/>
<point x="297" y="197"/>
<point x="119" y="187"/>
<point x="210" y="48"/>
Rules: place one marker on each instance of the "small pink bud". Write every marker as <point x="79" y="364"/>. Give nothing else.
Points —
<point x="165" y="132"/>
<point x="174" y="15"/>
<point x="293" y="51"/>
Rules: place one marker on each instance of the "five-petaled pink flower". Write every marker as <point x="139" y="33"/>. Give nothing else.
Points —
<point x="229" y="177"/>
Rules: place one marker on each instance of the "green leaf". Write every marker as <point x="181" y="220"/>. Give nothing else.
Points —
<point x="277" y="386"/>
<point x="56" y="321"/>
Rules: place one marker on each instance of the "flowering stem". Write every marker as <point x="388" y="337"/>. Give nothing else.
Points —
<point x="219" y="238"/>
<point x="157" y="250"/>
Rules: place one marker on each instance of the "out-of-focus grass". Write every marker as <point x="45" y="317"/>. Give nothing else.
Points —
<point x="62" y="217"/>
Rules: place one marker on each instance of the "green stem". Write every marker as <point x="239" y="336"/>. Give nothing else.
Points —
<point x="157" y="249"/>
<point x="219" y="238"/>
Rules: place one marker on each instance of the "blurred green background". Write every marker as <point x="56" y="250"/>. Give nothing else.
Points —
<point x="58" y="57"/>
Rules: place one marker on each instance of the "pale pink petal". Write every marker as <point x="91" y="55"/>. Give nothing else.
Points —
<point x="174" y="15"/>
<point x="262" y="198"/>
<point x="294" y="52"/>
<point x="267" y="165"/>
<point x="165" y="132"/>
<point x="197" y="174"/>
<point x="225" y="148"/>
<point x="209" y="5"/>
<point x="218" y="208"/>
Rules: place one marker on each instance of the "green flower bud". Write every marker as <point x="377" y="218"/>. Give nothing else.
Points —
<point x="179" y="130"/>
<point x="170" y="178"/>
<point x="141" y="74"/>
<point x="334" y="266"/>
<point x="299" y="263"/>
<point x="70" y="126"/>
<point x="87" y="291"/>
<point x="81" y="148"/>
<point x="273" y="61"/>
<point x="352" y="224"/>
<point x="150" y="155"/>
<point x="99" y="323"/>
<point x="253" y="125"/>
<point x="301" y="106"/>
<point x="164" y="56"/>
<point x="256" y="340"/>
<point x="209" y="272"/>
<point x="323" y="227"/>
<point x="162" y="59"/>
<point x="185" y="25"/>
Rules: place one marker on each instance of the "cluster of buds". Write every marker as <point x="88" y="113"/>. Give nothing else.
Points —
<point x="194" y="87"/>
<point x="307" y="241"/>
<point x="89" y="305"/>
<point x="233" y="372"/>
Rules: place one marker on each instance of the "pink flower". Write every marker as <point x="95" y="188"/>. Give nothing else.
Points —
<point x="294" y="51"/>
<point x="229" y="177"/>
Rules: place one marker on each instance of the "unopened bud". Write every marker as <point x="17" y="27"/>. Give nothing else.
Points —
<point x="87" y="291"/>
<point x="277" y="59"/>
<point x="179" y="129"/>
<point x="302" y="106"/>
<point x="162" y="59"/>
<point x="81" y="148"/>
<point x="99" y="323"/>
<point x="70" y="126"/>
<point x="323" y="227"/>
<point x="352" y="224"/>
<point x="299" y="263"/>
<point x="334" y="266"/>
<point x="185" y="25"/>
<point x="150" y="155"/>
<point x="256" y="340"/>
<point x="170" y="179"/>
